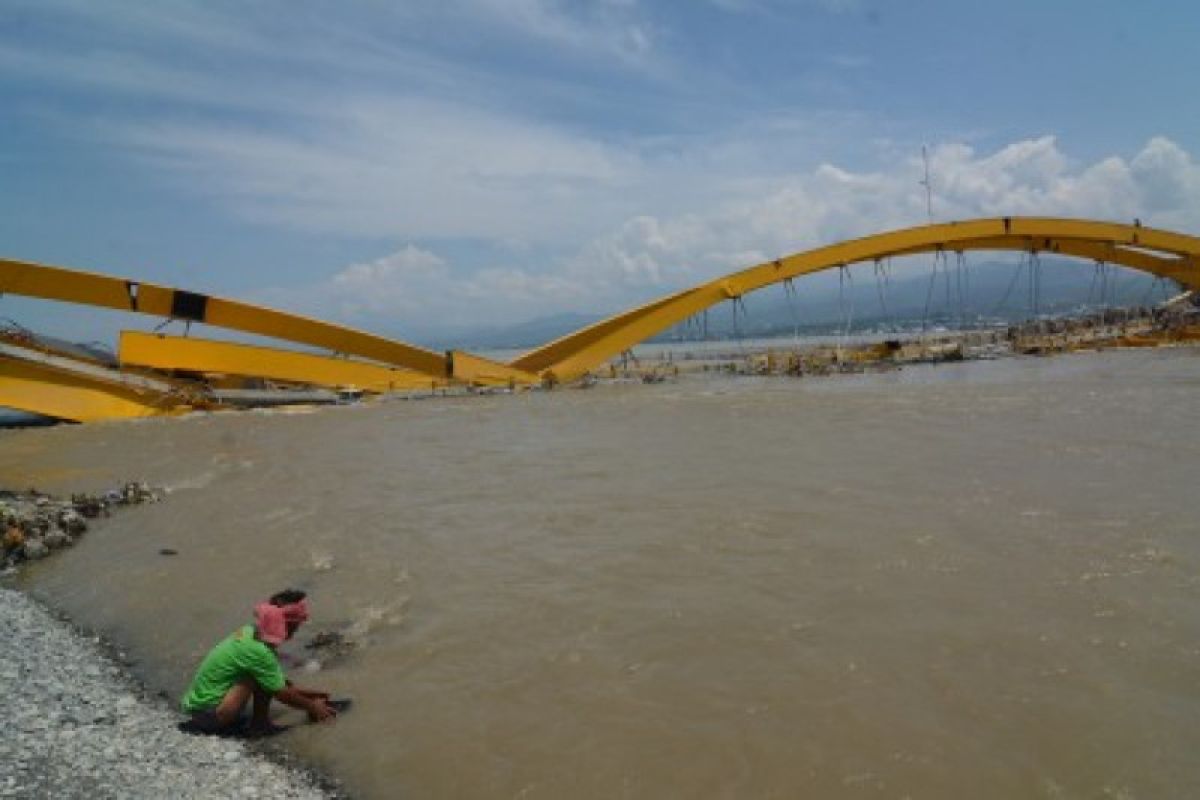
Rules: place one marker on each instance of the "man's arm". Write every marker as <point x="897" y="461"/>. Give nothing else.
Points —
<point x="321" y="693"/>
<point x="311" y="702"/>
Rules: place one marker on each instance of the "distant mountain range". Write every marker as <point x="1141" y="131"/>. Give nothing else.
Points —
<point x="986" y="291"/>
<point x="523" y="334"/>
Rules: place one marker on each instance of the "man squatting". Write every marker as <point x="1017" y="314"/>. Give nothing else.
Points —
<point x="245" y="666"/>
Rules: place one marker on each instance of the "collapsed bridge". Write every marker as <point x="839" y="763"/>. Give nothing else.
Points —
<point x="146" y="380"/>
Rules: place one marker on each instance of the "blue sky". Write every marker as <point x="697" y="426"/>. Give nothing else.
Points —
<point x="416" y="167"/>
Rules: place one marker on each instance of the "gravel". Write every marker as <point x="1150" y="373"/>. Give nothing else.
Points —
<point x="76" y="725"/>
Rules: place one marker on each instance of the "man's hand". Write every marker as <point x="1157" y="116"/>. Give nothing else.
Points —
<point x="315" y="704"/>
<point x="321" y="711"/>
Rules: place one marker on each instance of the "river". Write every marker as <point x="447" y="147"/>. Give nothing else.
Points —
<point x="977" y="579"/>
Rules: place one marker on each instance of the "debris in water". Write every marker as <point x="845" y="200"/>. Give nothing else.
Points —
<point x="328" y="646"/>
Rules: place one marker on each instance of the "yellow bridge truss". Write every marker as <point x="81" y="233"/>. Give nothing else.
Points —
<point x="181" y="353"/>
<point x="384" y="364"/>
<point x="81" y="390"/>
<point x="1162" y="253"/>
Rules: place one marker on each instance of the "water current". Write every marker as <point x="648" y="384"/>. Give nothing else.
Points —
<point x="971" y="580"/>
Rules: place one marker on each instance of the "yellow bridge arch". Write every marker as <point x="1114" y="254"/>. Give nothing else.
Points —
<point x="389" y="364"/>
<point x="1163" y="253"/>
<point x="126" y="294"/>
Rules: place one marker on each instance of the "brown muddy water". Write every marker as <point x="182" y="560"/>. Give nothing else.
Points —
<point x="973" y="580"/>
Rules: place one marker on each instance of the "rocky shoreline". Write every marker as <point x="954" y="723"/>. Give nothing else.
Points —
<point x="77" y="724"/>
<point x="34" y="524"/>
<point x="1174" y="323"/>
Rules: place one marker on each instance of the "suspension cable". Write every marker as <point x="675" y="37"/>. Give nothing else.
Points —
<point x="962" y="278"/>
<point x="949" y="309"/>
<point x="1092" y="286"/>
<point x="1133" y="278"/>
<point x="1012" y="284"/>
<point x="929" y="293"/>
<point x="735" y="303"/>
<point x="1153" y="285"/>
<point x="1035" y="264"/>
<point x="881" y="285"/>
<point x="846" y="278"/>
<point x="789" y="294"/>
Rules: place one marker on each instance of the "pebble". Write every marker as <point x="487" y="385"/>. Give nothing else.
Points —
<point x="75" y="727"/>
<point x="33" y="549"/>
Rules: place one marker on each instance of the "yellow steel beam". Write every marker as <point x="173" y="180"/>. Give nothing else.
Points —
<point x="40" y="388"/>
<point x="574" y="355"/>
<point x="203" y="355"/>
<point x="1159" y="252"/>
<point x="74" y="286"/>
<point x="474" y="369"/>
<point x="1167" y="267"/>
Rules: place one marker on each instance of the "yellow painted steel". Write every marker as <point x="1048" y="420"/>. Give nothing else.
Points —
<point x="78" y="397"/>
<point x="1160" y="252"/>
<point x="74" y="286"/>
<point x="1163" y="253"/>
<point x="204" y="355"/>
<point x="1175" y="267"/>
<point x="485" y="372"/>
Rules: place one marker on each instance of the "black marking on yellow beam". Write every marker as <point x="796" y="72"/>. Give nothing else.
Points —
<point x="131" y="287"/>
<point x="188" y="306"/>
<point x="73" y="286"/>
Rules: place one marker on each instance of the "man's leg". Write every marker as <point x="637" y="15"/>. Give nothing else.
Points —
<point x="259" y="720"/>
<point x="230" y="707"/>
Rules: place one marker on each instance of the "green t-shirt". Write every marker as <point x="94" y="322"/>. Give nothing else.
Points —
<point x="237" y="657"/>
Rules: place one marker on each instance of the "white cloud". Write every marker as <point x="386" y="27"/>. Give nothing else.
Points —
<point x="613" y="28"/>
<point x="406" y="168"/>
<point x="381" y="285"/>
<point x="414" y="143"/>
<point x="266" y="59"/>
<point x="416" y="168"/>
<point x="744" y="6"/>
<point x="415" y="289"/>
<point x="649" y="255"/>
<point x="1169" y="180"/>
<point x="1160" y="185"/>
<point x="408" y="143"/>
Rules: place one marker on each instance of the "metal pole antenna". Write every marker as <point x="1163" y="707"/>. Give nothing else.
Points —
<point x="927" y="184"/>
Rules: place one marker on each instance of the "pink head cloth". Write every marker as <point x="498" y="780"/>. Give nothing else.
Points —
<point x="271" y="623"/>
<point x="296" y="612"/>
